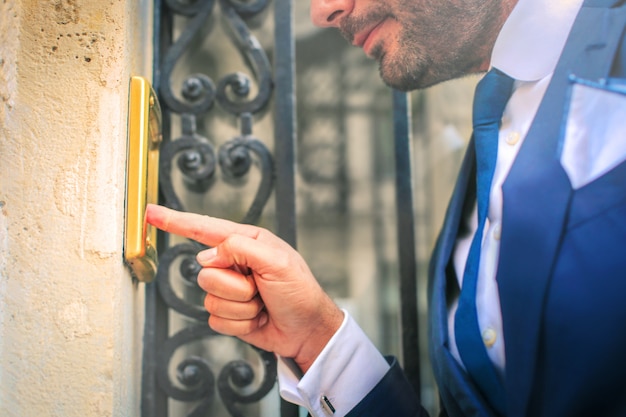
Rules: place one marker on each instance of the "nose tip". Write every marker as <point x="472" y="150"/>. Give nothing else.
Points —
<point x="328" y="13"/>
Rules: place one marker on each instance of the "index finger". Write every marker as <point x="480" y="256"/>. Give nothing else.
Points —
<point x="207" y="230"/>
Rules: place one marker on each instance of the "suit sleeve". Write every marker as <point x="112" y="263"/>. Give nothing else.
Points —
<point x="350" y="378"/>
<point x="346" y="370"/>
<point x="392" y="396"/>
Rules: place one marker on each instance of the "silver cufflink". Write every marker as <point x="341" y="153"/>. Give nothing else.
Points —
<point x="327" y="405"/>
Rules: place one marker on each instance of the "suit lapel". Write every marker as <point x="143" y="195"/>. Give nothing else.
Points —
<point x="457" y="392"/>
<point x="438" y="310"/>
<point x="465" y="185"/>
<point x="537" y="195"/>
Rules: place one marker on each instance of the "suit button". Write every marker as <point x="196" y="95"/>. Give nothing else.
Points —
<point x="512" y="138"/>
<point x="489" y="337"/>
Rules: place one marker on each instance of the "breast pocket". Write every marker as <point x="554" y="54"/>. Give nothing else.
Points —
<point x="592" y="146"/>
<point x="593" y="134"/>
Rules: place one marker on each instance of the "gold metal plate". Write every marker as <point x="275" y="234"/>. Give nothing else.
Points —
<point x="142" y="178"/>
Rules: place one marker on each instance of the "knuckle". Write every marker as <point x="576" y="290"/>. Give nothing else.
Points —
<point x="210" y="303"/>
<point x="248" y="293"/>
<point x="216" y="323"/>
<point x="282" y="261"/>
<point x="232" y="327"/>
<point x="261" y="233"/>
<point x="248" y="326"/>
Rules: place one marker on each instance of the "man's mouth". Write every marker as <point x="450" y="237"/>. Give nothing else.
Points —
<point x="366" y="38"/>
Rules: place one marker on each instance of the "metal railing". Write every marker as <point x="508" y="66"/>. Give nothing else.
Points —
<point x="187" y="368"/>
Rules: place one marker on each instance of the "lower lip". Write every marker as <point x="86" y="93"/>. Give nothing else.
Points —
<point x="370" y="41"/>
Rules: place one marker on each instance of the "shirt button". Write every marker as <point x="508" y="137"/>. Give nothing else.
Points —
<point x="512" y="138"/>
<point x="497" y="232"/>
<point x="489" y="337"/>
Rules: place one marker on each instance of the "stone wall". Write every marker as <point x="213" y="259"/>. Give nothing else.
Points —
<point x="70" y="315"/>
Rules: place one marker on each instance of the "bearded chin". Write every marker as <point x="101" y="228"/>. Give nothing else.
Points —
<point x="401" y="83"/>
<point x="408" y="72"/>
<point x="400" y="75"/>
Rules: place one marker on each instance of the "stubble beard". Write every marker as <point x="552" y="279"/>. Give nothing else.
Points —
<point x="405" y="72"/>
<point x="413" y="68"/>
<point x="436" y="42"/>
<point x="418" y="65"/>
<point x="398" y="72"/>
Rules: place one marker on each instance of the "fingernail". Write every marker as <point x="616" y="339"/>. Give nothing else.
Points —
<point x="206" y="255"/>
<point x="263" y="319"/>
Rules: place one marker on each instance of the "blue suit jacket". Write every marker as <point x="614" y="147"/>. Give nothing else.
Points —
<point x="562" y="266"/>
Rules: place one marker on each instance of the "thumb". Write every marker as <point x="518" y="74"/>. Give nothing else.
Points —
<point x="215" y="258"/>
<point x="209" y="258"/>
<point x="244" y="253"/>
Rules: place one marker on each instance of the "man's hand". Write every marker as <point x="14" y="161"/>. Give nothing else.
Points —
<point x="258" y="287"/>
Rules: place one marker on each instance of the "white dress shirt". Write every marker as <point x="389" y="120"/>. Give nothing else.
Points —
<point x="527" y="49"/>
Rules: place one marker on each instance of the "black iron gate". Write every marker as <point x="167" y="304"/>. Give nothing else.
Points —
<point x="187" y="368"/>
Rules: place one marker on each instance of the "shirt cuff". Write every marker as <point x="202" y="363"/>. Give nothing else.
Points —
<point x="346" y="370"/>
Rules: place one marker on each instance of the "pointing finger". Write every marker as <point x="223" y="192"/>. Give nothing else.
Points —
<point x="210" y="231"/>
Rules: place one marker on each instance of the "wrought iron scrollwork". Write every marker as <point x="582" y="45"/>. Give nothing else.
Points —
<point x="199" y="89"/>
<point x="238" y="375"/>
<point x="195" y="381"/>
<point x="201" y="162"/>
<point x="238" y="83"/>
<point x="188" y="269"/>
<point x="195" y="154"/>
<point x="193" y="373"/>
<point x="197" y="161"/>
<point x="235" y="161"/>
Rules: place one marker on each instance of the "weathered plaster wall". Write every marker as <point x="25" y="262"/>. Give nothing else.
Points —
<point x="70" y="316"/>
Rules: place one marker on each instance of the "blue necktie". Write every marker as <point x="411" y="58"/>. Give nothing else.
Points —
<point x="490" y="98"/>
